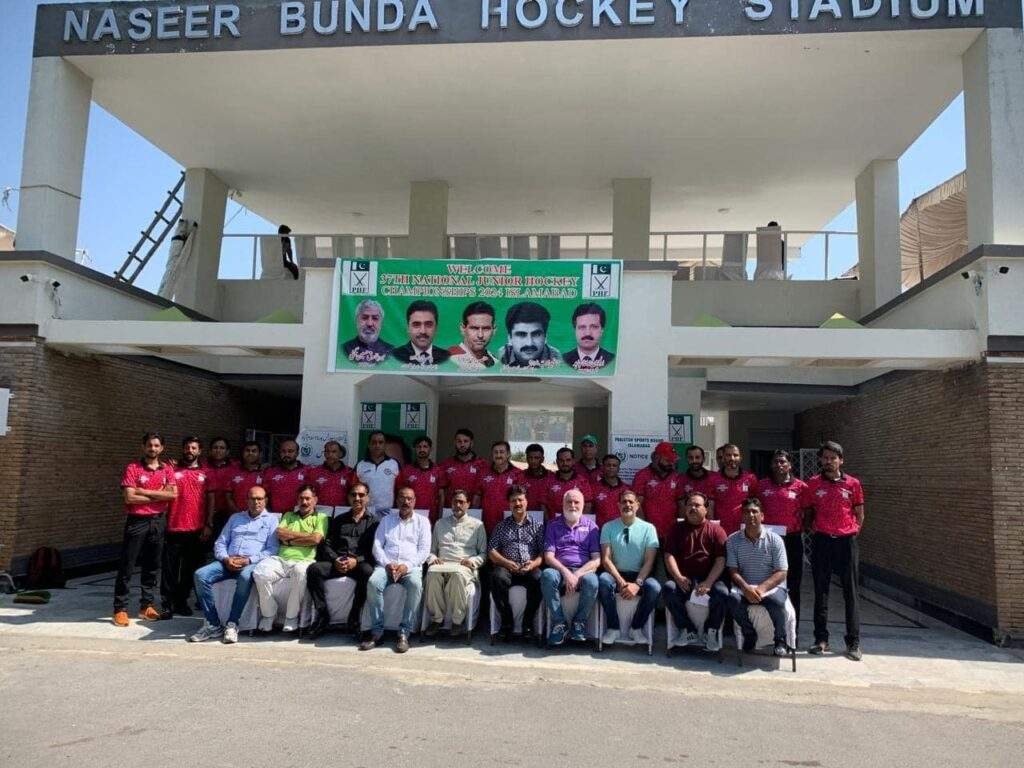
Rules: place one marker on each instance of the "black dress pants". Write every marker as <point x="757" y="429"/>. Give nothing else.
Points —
<point x="836" y="554"/>
<point x="143" y="542"/>
<point x="320" y="572"/>
<point x="502" y="580"/>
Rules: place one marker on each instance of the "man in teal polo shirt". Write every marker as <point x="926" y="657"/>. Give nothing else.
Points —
<point x="629" y="546"/>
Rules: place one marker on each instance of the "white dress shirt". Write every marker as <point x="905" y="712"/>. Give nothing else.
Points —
<point x="402" y="541"/>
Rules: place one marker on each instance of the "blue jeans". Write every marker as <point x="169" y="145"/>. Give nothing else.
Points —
<point x="648" y="598"/>
<point x="213" y="573"/>
<point x="675" y="601"/>
<point x="552" y="586"/>
<point x="412" y="582"/>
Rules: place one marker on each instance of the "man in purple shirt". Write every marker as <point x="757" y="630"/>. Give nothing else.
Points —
<point x="572" y="553"/>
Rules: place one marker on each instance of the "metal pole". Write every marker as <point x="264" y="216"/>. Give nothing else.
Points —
<point x="254" y="257"/>
<point x="586" y="248"/>
<point x="704" y="257"/>
<point x="826" y="255"/>
<point x="664" y="247"/>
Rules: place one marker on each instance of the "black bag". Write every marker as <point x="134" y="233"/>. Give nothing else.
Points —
<point x="45" y="569"/>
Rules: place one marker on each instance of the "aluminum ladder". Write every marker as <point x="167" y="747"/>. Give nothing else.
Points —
<point x="154" y="235"/>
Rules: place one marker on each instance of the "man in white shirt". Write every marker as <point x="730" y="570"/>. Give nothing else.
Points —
<point x="378" y="472"/>
<point x="401" y="546"/>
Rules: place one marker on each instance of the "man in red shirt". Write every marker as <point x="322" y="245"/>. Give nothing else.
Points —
<point x="566" y="479"/>
<point x="696" y="476"/>
<point x="588" y="466"/>
<point x="780" y="495"/>
<point x="464" y="468"/>
<point x="148" y="490"/>
<point x="219" y="470"/>
<point x="332" y="479"/>
<point x="495" y="484"/>
<point x="284" y="479"/>
<point x="426" y="478"/>
<point x="608" y="490"/>
<point x="660" y="490"/>
<point x="186" y="523"/>
<point x="536" y="477"/>
<point x="729" y="488"/>
<point x="245" y="476"/>
<point x="834" y="504"/>
<point x="695" y="561"/>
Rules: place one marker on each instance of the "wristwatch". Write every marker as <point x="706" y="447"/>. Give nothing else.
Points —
<point x="639" y="582"/>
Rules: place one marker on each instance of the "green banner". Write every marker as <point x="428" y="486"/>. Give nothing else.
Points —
<point x="399" y="421"/>
<point x="476" y="318"/>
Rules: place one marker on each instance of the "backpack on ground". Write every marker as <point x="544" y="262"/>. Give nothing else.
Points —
<point x="45" y="569"/>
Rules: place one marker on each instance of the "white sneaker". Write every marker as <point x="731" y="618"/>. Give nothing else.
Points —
<point x="684" y="638"/>
<point x="206" y="632"/>
<point x="290" y="625"/>
<point x="609" y="637"/>
<point x="230" y="633"/>
<point x="266" y="625"/>
<point x="637" y="635"/>
<point x="713" y="644"/>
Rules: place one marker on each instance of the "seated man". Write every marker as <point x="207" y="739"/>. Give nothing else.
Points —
<point x="246" y="539"/>
<point x="572" y="552"/>
<point x="400" y="547"/>
<point x="457" y="552"/>
<point x="300" y="532"/>
<point x="347" y="551"/>
<point x="515" y="552"/>
<point x="628" y="548"/>
<point x="756" y="559"/>
<point x="695" y="561"/>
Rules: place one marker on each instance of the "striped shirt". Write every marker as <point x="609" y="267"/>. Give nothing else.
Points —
<point x="756" y="560"/>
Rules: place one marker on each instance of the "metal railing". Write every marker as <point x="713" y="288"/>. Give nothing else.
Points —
<point x="761" y="254"/>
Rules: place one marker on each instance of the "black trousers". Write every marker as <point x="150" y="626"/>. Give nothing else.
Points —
<point x="502" y="580"/>
<point x="184" y="553"/>
<point x="320" y="572"/>
<point x="836" y="554"/>
<point x="795" y="556"/>
<point x="143" y="543"/>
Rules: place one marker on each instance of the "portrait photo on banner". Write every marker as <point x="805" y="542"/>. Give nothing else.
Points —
<point x="476" y="318"/>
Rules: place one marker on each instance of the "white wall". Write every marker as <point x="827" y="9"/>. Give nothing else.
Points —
<point x="243" y="301"/>
<point x="764" y="302"/>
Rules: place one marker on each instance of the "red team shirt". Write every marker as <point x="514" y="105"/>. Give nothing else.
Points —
<point x="691" y="484"/>
<point x="218" y="480"/>
<point x="606" y="500"/>
<point x="239" y="484"/>
<point x="425" y="483"/>
<point x="188" y="511"/>
<point x="729" y="495"/>
<point x="833" y="502"/>
<point x="557" y="489"/>
<point x="593" y="475"/>
<point x="331" y="485"/>
<point x="536" y="488"/>
<point x="464" y="475"/>
<point x="782" y="504"/>
<point x="660" y="498"/>
<point x="494" y="494"/>
<point x="137" y="475"/>
<point x="283" y="487"/>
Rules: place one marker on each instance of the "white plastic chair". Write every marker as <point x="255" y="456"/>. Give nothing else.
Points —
<point x="394" y="604"/>
<point x="474" y="610"/>
<point x="224" y="593"/>
<point x="698" y="614"/>
<point x="569" y="604"/>
<point x="517" y="602"/>
<point x="766" y="632"/>
<point x="626" y="609"/>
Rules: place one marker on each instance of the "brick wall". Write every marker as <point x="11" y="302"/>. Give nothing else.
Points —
<point x="76" y="421"/>
<point x="924" y="448"/>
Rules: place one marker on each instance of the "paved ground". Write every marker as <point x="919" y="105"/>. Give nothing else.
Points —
<point x="76" y="690"/>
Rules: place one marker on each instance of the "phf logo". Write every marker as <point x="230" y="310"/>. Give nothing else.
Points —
<point x="601" y="280"/>
<point x="412" y="416"/>
<point x="359" y="278"/>
<point x="370" y="416"/>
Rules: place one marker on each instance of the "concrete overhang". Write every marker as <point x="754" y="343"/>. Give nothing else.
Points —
<point x="733" y="131"/>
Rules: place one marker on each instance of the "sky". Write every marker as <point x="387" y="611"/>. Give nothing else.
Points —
<point x="126" y="178"/>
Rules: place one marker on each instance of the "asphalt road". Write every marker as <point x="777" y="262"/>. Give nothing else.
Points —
<point x="87" y="702"/>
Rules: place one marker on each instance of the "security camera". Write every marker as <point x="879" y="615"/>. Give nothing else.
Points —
<point x="1004" y="270"/>
<point x="28" y="278"/>
<point x="965" y="275"/>
<point x="54" y="284"/>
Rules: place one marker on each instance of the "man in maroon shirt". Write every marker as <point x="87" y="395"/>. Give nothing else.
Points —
<point x="284" y="479"/>
<point x="186" y="520"/>
<point x="219" y="470"/>
<point x="695" y="561"/>
<point x="588" y="465"/>
<point x="245" y="476"/>
<point x="426" y="478"/>
<point x="566" y="479"/>
<point x="696" y="476"/>
<point x="148" y="486"/>
<point x="333" y="478"/>
<point x="495" y="484"/>
<point x="780" y="495"/>
<point x="729" y="488"/>
<point x="834" y="506"/>
<point x="608" y="490"/>
<point x="536" y="477"/>
<point x="660" y="489"/>
<point x="464" y="468"/>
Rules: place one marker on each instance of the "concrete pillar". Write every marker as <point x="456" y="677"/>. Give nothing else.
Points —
<point x="428" y="220"/>
<point x="53" y="158"/>
<point x="205" y="202"/>
<point x="994" y="123"/>
<point x="631" y="219"/>
<point x="878" y="234"/>
<point x="640" y="388"/>
<point x="684" y="396"/>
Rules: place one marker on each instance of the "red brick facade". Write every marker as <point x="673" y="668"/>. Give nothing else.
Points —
<point x="940" y="455"/>
<point x="74" y="423"/>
